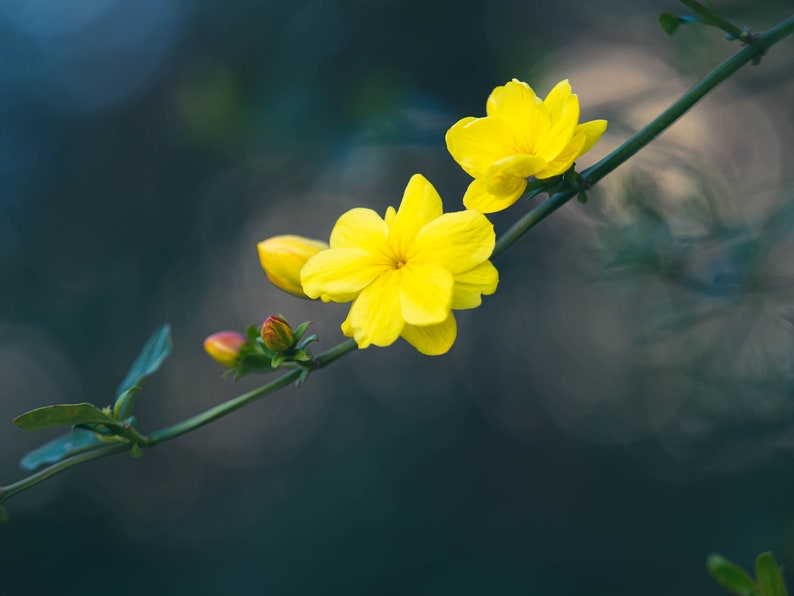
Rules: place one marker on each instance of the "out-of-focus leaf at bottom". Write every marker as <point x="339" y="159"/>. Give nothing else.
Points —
<point x="77" y="441"/>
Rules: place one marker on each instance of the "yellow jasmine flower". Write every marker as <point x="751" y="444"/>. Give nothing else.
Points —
<point x="283" y="257"/>
<point x="405" y="273"/>
<point x="521" y="136"/>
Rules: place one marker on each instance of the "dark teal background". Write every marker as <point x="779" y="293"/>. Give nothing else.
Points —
<point x="618" y="410"/>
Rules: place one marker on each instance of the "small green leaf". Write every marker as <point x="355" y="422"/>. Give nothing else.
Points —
<point x="731" y="575"/>
<point x="307" y="340"/>
<point x="77" y="441"/>
<point x="154" y="351"/>
<point x="769" y="576"/>
<point x="64" y="415"/>
<point x="3" y="515"/>
<point x="252" y="332"/>
<point x="301" y="330"/>
<point x="669" y="22"/>
<point x="136" y="451"/>
<point x="125" y="402"/>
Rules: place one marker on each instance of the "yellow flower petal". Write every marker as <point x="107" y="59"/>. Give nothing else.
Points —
<point x="477" y="196"/>
<point x="475" y="143"/>
<point x="339" y="274"/>
<point x="361" y="228"/>
<point x="425" y="293"/>
<point x="432" y="340"/>
<point x="505" y="175"/>
<point x="564" y="160"/>
<point x="592" y="131"/>
<point x="420" y="205"/>
<point x="556" y="98"/>
<point x="457" y="241"/>
<point x="517" y="105"/>
<point x="470" y="286"/>
<point x="505" y="99"/>
<point x="562" y="131"/>
<point x="375" y="316"/>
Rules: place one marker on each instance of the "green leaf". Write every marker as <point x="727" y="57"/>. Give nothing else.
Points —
<point x="669" y="22"/>
<point x="77" y="441"/>
<point x="731" y="576"/>
<point x="125" y="402"/>
<point x="64" y="415"/>
<point x="768" y="575"/>
<point x="154" y="351"/>
<point x="3" y="515"/>
<point x="136" y="451"/>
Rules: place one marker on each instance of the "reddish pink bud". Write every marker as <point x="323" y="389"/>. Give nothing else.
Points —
<point x="277" y="334"/>
<point x="224" y="346"/>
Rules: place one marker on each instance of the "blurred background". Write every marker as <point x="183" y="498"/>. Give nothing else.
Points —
<point x="621" y="407"/>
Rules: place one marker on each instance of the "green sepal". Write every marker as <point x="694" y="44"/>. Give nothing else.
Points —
<point x="252" y="333"/>
<point x="136" y="451"/>
<point x="300" y="356"/>
<point x="3" y="515"/>
<point x="154" y="351"/>
<point x="278" y="360"/>
<point x="301" y="329"/>
<point x="75" y="442"/>
<point x="731" y="576"/>
<point x="253" y="362"/>
<point x="769" y="576"/>
<point x="582" y="197"/>
<point x="307" y="341"/>
<point x="669" y="22"/>
<point x="64" y="415"/>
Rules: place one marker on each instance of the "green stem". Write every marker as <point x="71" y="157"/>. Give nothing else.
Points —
<point x="179" y="428"/>
<point x="333" y="354"/>
<point x="595" y="173"/>
<point x="221" y="410"/>
<point x="9" y="491"/>
<point x="712" y="18"/>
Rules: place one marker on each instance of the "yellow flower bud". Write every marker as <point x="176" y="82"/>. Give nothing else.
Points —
<point x="277" y="334"/>
<point x="224" y="347"/>
<point x="283" y="257"/>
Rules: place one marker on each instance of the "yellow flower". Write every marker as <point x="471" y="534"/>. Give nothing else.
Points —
<point x="405" y="273"/>
<point x="282" y="258"/>
<point x="521" y="136"/>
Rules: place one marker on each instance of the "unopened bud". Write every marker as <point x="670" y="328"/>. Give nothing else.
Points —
<point x="283" y="257"/>
<point x="224" y="347"/>
<point x="277" y="334"/>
